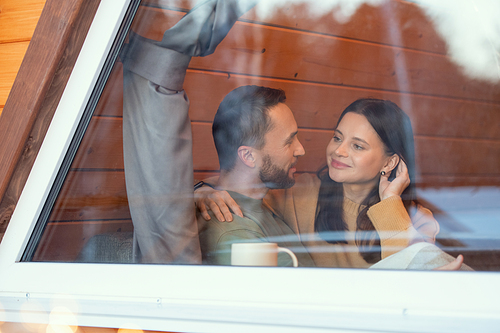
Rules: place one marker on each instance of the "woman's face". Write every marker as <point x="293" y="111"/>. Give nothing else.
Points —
<point x="356" y="155"/>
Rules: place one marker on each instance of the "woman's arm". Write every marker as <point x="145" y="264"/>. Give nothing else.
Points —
<point x="221" y="204"/>
<point x="391" y="220"/>
<point x="397" y="230"/>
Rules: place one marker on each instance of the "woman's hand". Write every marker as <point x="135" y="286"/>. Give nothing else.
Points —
<point x="397" y="185"/>
<point x="219" y="202"/>
<point x="452" y="266"/>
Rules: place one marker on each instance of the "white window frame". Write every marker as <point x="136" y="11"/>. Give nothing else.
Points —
<point x="207" y="298"/>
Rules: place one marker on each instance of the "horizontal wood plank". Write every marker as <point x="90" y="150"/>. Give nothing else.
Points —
<point x="319" y="105"/>
<point x="90" y="195"/>
<point x="450" y="180"/>
<point x="18" y="19"/>
<point x="201" y="175"/>
<point x="8" y="6"/>
<point x="458" y="157"/>
<point x="102" y="146"/>
<point x="64" y="241"/>
<point x="11" y="55"/>
<point x="374" y="24"/>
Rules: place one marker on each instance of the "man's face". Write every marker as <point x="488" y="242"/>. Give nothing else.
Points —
<point x="281" y="150"/>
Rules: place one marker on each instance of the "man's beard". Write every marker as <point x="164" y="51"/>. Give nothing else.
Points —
<point x="273" y="176"/>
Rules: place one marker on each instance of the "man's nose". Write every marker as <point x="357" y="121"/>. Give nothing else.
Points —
<point x="299" y="151"/>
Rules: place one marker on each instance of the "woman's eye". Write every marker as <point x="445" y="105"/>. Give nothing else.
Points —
<point x="358" y="147"/>
<point x="336" y="138"/>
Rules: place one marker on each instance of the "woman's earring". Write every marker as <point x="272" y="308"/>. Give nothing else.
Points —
<point x="383" y="173"/>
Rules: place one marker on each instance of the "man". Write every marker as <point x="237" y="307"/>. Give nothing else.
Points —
<point x="255" y="135"/>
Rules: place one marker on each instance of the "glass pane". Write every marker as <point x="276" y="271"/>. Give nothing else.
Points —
<point x="437" y="64"/>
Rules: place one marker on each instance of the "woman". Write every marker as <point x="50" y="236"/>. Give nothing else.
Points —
<point x="361" y="207"/>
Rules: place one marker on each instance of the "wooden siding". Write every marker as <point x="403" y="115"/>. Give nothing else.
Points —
<point x="323" y="66"/>
<point x="37" y="89"/>
<point x="18" y="19"/>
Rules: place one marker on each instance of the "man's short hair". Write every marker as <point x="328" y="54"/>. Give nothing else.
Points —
<point x="243" y="120"/>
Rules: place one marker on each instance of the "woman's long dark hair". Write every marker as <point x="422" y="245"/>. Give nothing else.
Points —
<point x="393" y="127"/>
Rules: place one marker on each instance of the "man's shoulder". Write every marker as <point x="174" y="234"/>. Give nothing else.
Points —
<point x="216" y="228"/>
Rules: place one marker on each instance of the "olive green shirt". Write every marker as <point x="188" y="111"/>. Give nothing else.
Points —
<point x="259" y="224"/>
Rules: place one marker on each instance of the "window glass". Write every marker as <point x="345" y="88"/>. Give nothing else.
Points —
<point x="127" y="196"/>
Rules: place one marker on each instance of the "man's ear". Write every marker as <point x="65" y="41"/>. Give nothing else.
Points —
<point x="247" y="156"/>
<point x="392" y="163"/>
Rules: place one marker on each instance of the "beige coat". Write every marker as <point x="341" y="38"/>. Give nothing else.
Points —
<point x="297" y="207"/>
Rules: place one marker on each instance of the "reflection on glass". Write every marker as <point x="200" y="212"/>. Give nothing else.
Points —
<point x="128" y="195"/>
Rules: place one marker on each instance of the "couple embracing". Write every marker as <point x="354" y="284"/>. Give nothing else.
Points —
<point x="360" y="209"/>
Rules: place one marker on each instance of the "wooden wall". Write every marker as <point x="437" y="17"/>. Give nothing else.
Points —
<point x="323" y="66"/>
<point x="18" y="19"/>
<point x="36" y="91"/>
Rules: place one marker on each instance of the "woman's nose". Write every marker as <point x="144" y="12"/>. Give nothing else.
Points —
<point x="341" y="151"/>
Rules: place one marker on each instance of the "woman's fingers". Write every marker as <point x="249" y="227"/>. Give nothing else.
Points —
<point x="220" y="206"/>
<point x="403" y="170"/>
<point x="216" y="211"/>
<point x="397" y="185"/>
<point x="402" y="166"/>
<point x="452" y="266"/>
<point x="200" y="196"/>
<point x="229" y="201"/>
<point x="203" y="211"/>
<point x="219" y="202"/>
<point x="201" y="202"/>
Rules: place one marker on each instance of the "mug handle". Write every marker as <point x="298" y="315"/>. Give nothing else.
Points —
<point x="295" y="262"/>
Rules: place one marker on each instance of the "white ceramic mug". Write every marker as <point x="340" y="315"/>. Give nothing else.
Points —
<point x="258" y="254"/>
